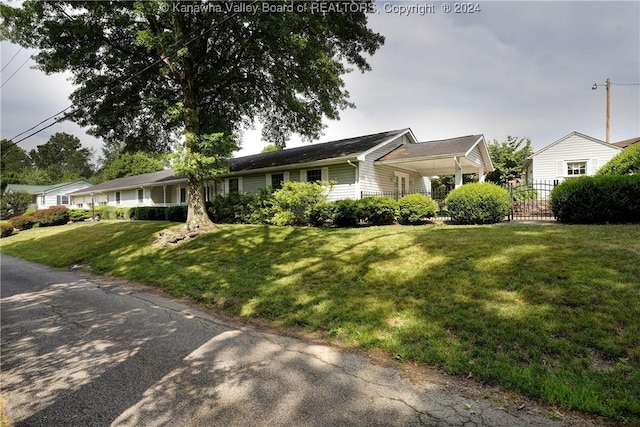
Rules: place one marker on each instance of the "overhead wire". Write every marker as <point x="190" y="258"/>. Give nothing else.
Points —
<point x="12" y="58"/>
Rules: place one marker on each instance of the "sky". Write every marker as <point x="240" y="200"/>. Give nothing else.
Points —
<point x="516" y="68"/>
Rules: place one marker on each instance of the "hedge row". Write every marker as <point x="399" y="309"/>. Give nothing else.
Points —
<point x="55" y="215"/>
<point x="597" y="200"/>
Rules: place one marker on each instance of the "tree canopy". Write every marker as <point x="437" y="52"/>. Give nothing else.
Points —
<point x="63" y="157"/>
<point x="130" y="164"/>
<point x="154" y="73"/>
<point x="508" y="158"/>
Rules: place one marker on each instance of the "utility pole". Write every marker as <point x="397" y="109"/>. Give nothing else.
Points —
<point x="608" y="87"/>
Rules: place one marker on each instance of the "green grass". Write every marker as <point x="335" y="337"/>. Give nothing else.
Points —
<point x="549" y="311"/>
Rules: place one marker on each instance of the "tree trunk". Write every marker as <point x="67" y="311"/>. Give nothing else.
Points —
<point x="197" y="217"/>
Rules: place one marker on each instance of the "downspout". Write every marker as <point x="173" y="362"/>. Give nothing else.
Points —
<point x="358" y="192"/>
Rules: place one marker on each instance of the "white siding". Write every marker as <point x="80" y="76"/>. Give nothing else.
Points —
<point x="345" y="177"/>
<point x="550" y="163"/>
<point x="378" y="178"/>
<point x="51" y="197"/>
<point x="476" y="156"/>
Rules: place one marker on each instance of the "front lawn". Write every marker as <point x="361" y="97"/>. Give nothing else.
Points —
<point x="549" y="311"/>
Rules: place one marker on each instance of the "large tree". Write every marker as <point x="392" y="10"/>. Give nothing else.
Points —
<point x="508" y="158"/>
<point x="63" y="157"/>
<point x="195" y="74"/>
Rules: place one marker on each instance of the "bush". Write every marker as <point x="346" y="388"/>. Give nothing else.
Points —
<point x="416" y="208"/>
<point x="323" y="214"/>
<point x="77" y="215"/>
<point x="234" y="208"/>
<point x="597" y="199"/>
<point x="176" y="213"/>
<point x="523" y="193"/>
<point x="478" y="203"/>
<point x="626" y="162"/>
<point x="348" y="213"/>
<point x="14" y="204"/>
<point x="55" y="215"/>
<point x="148" y="213"/>
<point x="292" y="203"/>
<point x="6" y="229"/>
<point x="22" y="222"/>
<point x="378" y="210"/>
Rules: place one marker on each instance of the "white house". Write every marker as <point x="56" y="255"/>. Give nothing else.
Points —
<point x="45" y="196"/>
<point x="390" y="163"/>
<point x="573" y="155"/>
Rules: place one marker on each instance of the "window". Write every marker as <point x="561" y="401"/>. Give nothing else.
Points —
<point x="234" y="185"/>
<point x="576" y="168"/>
<point x="276" y="180"/>
<point x="117" y="197"/>
<point x="183" y="195"/>
<point x="314" y="175"/>
<point x="43" y="199"/>
<point x="140" y="195"/>
<point x="62" y="199"/>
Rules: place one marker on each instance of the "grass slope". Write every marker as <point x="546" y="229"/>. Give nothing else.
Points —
<point x="549" y="311"/>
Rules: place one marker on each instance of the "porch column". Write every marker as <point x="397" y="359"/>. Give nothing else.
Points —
<point x="481" y="174"/>
<point x="164" y="195"/>
<point x="458" y="178"/>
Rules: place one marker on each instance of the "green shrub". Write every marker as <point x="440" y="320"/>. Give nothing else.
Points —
<point x="22" y="222"/>
<point x="30" y="211"/>
<point x="292" y="203"/>
<point x="416" y="208"/>
<point x="55" y="215"/>
<point x="6" y="229"/>
<point x="626" y="162"/>
<point x="323" y="214"/>
<point x="77" y="215"/>
<point x="176" y="213"/>
<point x="14" y="204"/>
<point x="262" y="209"/>
<point x="378" y="210"/>
<point x="148" y="213"/>
<point x="523" y="193"/>
<point x="234" y="208"/>
<point x="348" y="213"/>
<point x="597" y="199"/>
<point x="478" y="203"/>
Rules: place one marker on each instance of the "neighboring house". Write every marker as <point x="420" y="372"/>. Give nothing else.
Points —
<point x="573" y="155"/>
<point x="627" y="142"/>
<point x="384" y="163"/>
<point x="45" y="196"/>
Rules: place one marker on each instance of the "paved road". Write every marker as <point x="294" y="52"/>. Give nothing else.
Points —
<point x="80" y="350"/>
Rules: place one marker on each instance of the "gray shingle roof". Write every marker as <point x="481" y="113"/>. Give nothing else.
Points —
<point x="442" y="147"/>
<point x="349" y="147"/>
<point x="133" y="181"/>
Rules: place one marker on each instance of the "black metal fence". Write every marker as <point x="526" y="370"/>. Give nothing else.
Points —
<point x="528" y="201"/>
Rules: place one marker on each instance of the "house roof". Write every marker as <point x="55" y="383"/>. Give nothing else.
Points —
<point x="574" y="133"/>
<point x="39" y="189"/>
<point x="344" y="148"/>
<point x="627" y="142"/>
<point x="161" y="177"/>
<point x="442" y="147"/>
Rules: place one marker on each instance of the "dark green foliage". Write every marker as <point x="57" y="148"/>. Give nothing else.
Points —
<point x="77" y="215"/>
<point x="348" y="213"/>
<point x="323" y="214"/>
<point x="22" y="222"/>
<point x="523" y="192"/>
<point x="479" y="203"/>
<point x="234" y="208"/>
<point x="6" y="229"/>
<point x="63" y="157"/>
<point x="597" y="199"/>
<point x="148" y="213"/>
<point x="416" y="208"/>
<point x="111" y="212"/>
<point x="625" y="163"/>
<point x="55" y="215"/>
<point x="176" y="213"/>
<point x="13" y="204"/>
<point x="378" y="210"/>
<point x="130" y="164"/>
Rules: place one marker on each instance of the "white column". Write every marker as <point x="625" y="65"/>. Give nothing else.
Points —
<point x="481" y="175"/>
<point x="458" y="179"/>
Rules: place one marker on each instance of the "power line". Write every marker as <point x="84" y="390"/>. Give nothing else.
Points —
<point x="16" y="72"/>
<point x="14" y="55"/>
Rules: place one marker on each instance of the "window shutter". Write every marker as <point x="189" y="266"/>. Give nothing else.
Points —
<point x="225" y="190"/>
<point x="325" y="174"/>
<point x="58" y="201"/>
<point x="303" y="175"/>
<point x="240" y="190"/>
<point x="560" y="169"/>
<point x="268" y="180"/>
<point x="286" y="176"/>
